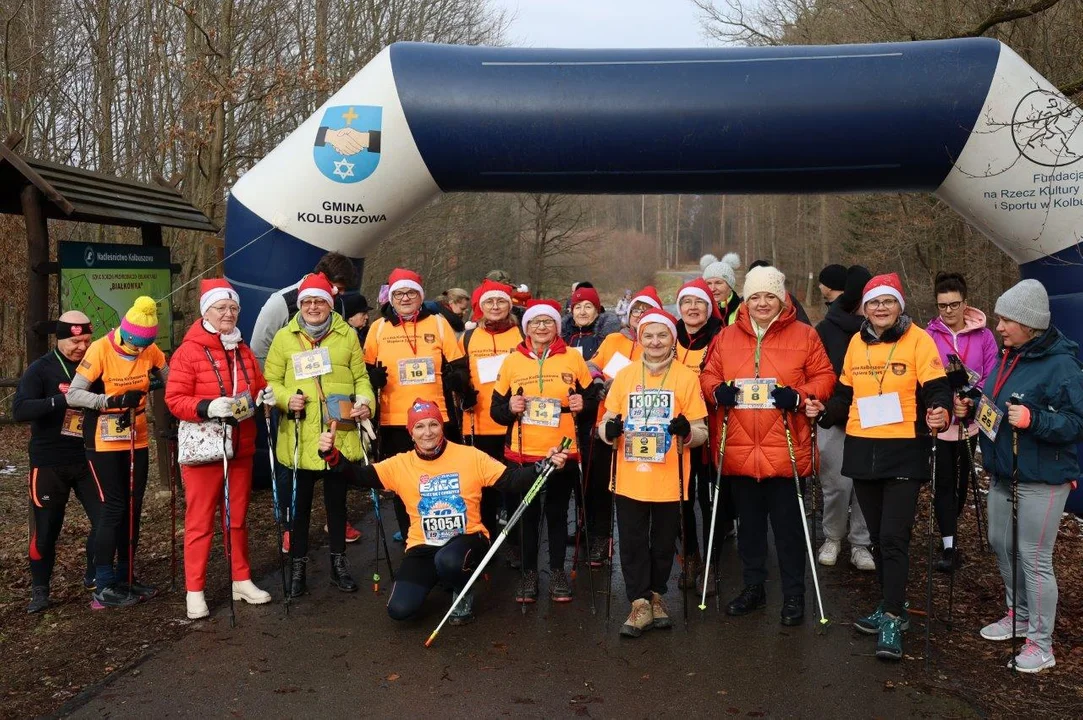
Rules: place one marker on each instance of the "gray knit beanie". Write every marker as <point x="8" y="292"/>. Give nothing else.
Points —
<point x="724" y="269"/>
<point x="1027" y="303"/>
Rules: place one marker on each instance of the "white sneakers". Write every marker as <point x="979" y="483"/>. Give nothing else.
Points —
<point x="246" y="590"/>
<point x="197" y="605"/>
<point x="829" y="552"/>
<point x="861" y="558"/>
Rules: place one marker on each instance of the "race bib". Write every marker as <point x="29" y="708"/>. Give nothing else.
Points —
<point x="542" y="411"/>
<point x="489" y="368"/>
<point x="311" y="363"/>
<point x="110" y="428"/>
<point x="972" y="377"/>
<point x="755" y="393"/>
<point x="243" y="406"/>
<point x="989" y="417"/>
<point x="417" y="371"/>
<point x="616" y="363"/>
<point x="643" y="446"/>
<point x="441" y="508"/>
<point x="73" y="423"/>
<point x="655" y="406"/>
<point x="877" y="410"/>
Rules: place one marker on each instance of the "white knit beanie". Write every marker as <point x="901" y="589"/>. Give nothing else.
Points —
<point x="765" y="279"/>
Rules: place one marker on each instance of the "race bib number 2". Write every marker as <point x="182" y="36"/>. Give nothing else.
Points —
<point x="642" y="446"/>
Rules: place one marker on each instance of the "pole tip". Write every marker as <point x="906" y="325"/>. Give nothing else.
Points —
<point x="428" y="643"/>
<point x="702" y="607"/>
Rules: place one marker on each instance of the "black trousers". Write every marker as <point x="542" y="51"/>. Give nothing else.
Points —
<point x="952" y="482"/>
<point x="395" y="439"/>
<point x="773" y="499"/>
<point x="50" y="488"/>
<point x="334" y="501"/>
<point x="648" y="542"/>
<point x="599" y="503"/>
<point x="888" y="506"/>
<point x="700" y="491"/>
<point x="117" y="534"/>
<point x="554" y="499"/>
<point x="491" y="499"/>
<point x="423" y="567"/>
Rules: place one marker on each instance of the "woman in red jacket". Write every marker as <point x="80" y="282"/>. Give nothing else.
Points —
<point x="216" y="377"/>
<point x="763" y="365"/>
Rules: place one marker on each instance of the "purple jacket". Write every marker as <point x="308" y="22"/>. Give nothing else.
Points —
<point x="975" y="346"/>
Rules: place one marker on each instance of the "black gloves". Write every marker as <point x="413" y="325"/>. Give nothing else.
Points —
<point x="156" y="381"/>
<point x="614" y="428"/>
<point x="958" y="379"/>
<point x="59" y="401"/>
<point x="680" y="427"/>
<point x="725" y="395"/>
<point x="469" y="397"/>
<point x="125" y="400"/>
<point x="377" y="376"/>
<point x="786" y="398"/>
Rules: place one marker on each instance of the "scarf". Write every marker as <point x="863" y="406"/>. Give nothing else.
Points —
<point x="434" y="454"/>
<point x="659" y="367"/>
<point x="230" y="340"/>
<point x="316" y="332"/>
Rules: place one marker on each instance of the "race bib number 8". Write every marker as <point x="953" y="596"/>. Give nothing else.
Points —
<point x="542" y="411"/>
<point x="311" y="363"/>
<point x="73" y="424"/>
<point x="755" y="394"/>
<point x="417" y="371"/>
<point x="989" y="417"/>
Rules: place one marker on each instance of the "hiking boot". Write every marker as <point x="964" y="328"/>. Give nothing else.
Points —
<point x="639" y="619"/>
<point x="950" y="560"/>
<point x="862" y="559"/>
<point x="660" y="612"/>
<point x="298" y="583"/>
<point x="514" y="557"/>
<point x="870" y="624"/>
<point x="712" y="588"/>
<point x="751" y="598"/>
<point x="196" y="605"/>
<point x="829" y="552"/>
<point x="527" y="590"/>
<point x="599" y="551"/>
<point x="793" y="610"/>
<point x="90" y="582"/>
<point x="1033" y="659"/>
<point x="112" y="597"/>
<point x="889" y="644"/>
<point x="1002" y="628"/>
<point x="687" y="578"/>
<point x="464" y="611"/>
<point x="141" y="591"/>
<point x="560" y="590"/>
<point x="39" y="599"/>
<point x="248" y="591"/>
<point x="340" y="573"/>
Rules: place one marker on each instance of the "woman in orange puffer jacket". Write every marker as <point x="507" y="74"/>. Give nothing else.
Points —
<point x="768" y="344"/>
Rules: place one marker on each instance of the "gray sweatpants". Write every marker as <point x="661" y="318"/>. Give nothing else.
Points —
<point x="840" y="503"/>
<point x="1040" y="508"/>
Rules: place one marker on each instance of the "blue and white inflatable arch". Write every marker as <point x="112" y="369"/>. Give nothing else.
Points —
<point x="968" y="120"/>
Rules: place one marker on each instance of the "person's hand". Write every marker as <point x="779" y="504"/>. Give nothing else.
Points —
<point x="156" y="381"/>
<point x="377" y="376"/>
<point x="297" y="402"/>
<point x="963" y="407"/>
<point x="327" y="441"/>
<point x="1019" y="416"/>
<point x="813" y="407"/>
<point x="575" y="403"/>
<point x="786" y="398"/>
<point x="469" y="398"/>
<point x="558" y="457"/>
<point x="725" y="395"/>
<point x="361" y="410"/>
<point x="125" y="400"/>
<point x="266" y="397"/>
<point x="937" y="419"/>
<point x="221" y="408"/>
<point x="614" y="428"/>
<point x="680" y="427"/>
<point x="517" y="404"/>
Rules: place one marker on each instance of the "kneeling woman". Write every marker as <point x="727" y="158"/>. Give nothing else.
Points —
<point x="440" y="484"/>
<point x="655" y="404"/>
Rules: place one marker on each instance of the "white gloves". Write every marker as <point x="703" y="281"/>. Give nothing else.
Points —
<point x="266" y="397"/>
<point x="221" y="408"/>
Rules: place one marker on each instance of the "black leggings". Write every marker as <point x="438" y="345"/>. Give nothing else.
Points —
<point x="773" y="499"/>
<point x="558" y="491"/>
<point x="117" y="535"/>
<point x="952" y="482"/>
<point x="423" y="566"/>
<point x="334" y="501"/>
<point x="648" y="542"/>
<point x="888" y="507"/>
<point x="50" y="488"/>
<point x="599" y="506"/>
<point x="701" y="481"/>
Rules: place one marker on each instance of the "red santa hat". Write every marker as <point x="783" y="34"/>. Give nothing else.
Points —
<point x="649" y="296"/>
<point x="316" y="285"/>
<point x="422" y="410"/>
<point x="660" y="317"/>
<point x="538" y="308"/>
<point x="493" y="289"/>
<point x="698" y="289"/>
<point x="587" y="294"/>
<point x="403" y="279"/>
<point x="212" y="290"/>
<point x="888" y="284"/>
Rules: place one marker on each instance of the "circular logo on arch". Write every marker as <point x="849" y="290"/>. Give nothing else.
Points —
<point x="347" y="144"/>
<point x="1046" y="129"/>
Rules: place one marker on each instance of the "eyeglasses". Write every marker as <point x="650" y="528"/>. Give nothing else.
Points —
<point x="952" y="306"/>
<point x="230" y="309"/>
<point x="542" y="322"/>
<point x="405" y="295"/>
<point x="490" y="303"/>
<point x="638" y="310"/>
<point x="886" y="303"/>
<point x="313" y="302"/>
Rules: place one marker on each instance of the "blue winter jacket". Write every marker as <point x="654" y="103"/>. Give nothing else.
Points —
<point x="1049" y="377"/>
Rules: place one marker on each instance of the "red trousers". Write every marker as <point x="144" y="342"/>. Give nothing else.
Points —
<point x="203" y="493"/>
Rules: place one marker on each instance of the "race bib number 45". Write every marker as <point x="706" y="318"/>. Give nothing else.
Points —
<point x="311" y="363"/>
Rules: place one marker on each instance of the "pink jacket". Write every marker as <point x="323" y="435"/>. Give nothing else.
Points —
<point x="975" y="346"/>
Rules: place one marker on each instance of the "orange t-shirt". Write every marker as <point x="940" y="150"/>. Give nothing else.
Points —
<point x="486" y="352"/>
<point x="112" y="373"/>
<point x="414" y="355"/>
<point x="691" y="359"/>
<point x="546" y="385"/>
<point x="442" y="496"/>
<point x="646" y="455"/>
<point x="611" y="345"/>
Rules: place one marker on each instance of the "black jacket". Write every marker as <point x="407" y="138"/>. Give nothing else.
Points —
<point x="40" y="400"/>
<point x="802" y="316"/>
<point x="835" y="331"/>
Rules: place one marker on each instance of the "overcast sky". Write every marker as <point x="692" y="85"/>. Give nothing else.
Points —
<point x="603" y="23"/>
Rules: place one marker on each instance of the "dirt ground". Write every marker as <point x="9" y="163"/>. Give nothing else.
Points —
<point x="52" y="657"/>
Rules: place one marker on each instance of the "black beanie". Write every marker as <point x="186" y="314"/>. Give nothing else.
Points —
<point x="857" y="276"/>
<point x="353" y="304"/>
<point x="834" y="277"/>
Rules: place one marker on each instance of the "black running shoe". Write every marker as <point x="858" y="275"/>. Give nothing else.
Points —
<point x="113" y="596"/>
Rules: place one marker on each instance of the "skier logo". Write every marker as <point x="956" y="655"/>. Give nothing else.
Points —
<point x="347" y="145"/>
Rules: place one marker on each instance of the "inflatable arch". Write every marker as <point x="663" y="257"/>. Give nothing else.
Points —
<point x="968" y="120"/>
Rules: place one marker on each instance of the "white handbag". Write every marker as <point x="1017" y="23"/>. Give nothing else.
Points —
<point x="202" y="443"/>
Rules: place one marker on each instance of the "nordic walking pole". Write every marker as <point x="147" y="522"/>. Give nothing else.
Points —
<point x="522" y="543"/>
<point x="714" y="513"/>
<point x="581" y="515"/>
<point x="1015" y="400"/>
<point x="274" y="498"/>
<point x="227" y="534"/>
<point x="804" y="520"/>
<point x="683" y="526"/>
<point x="815" y="475"/>
<point x="298" y="415"/>
<point x="565" y="443"/>
<point x="612" y="526"/>
<point x="381" y="535"/>
<point x="131" y="500"/>
<point x="929" y="614"/>
<point x="975" y="478"/>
